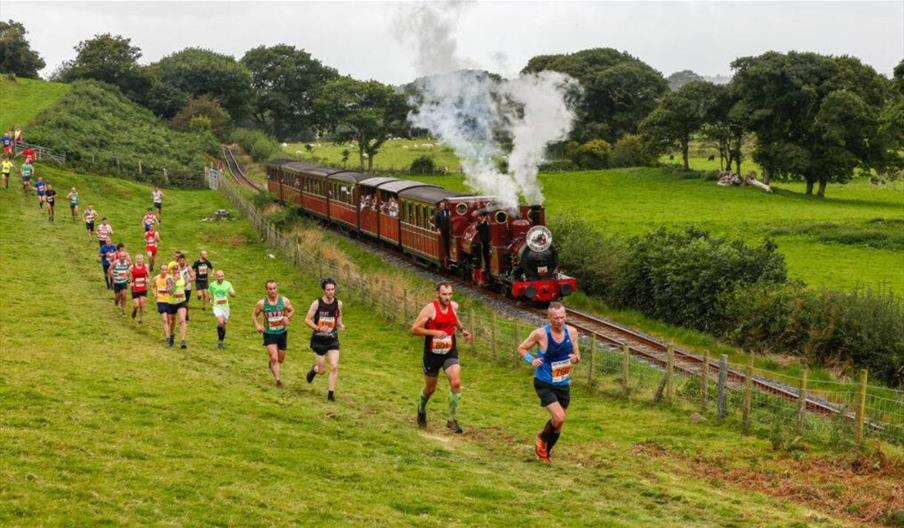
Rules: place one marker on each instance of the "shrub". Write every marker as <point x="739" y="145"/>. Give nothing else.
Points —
<point x="596" y="265"/>
<point x="558" y="165"/>
<point x="592" y="155"/>
<point x="202" y="107"/>
<point x="423" y="165"/>
<point x="631" y="151"/>
<point x="256" y="143"/>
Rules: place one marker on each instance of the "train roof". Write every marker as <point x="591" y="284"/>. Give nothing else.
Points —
<point x="402" y="185"/>
<point x="376" y="181"/>
<point x="428" y="194"/>
<point x="348" y="176"/>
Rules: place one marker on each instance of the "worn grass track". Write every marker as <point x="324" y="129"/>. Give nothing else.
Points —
<point x="101" y="425"/>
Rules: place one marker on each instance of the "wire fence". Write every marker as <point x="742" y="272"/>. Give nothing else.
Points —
<point x="708" y="391"/>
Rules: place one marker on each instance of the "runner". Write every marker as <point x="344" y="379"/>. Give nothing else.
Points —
<point x="161" y="293"/>
<point x="201" y="269"/>
<point x="6" y="167"/>
<point x="437" y="323"/>
<point x="188" y="275"/>
<point x="73" y="204"/>
<point x="50" y="198"/>
<point x="221" y="290"/>
<point x="40" y="188"/>
<point x="119" y="274"/>
<point x="122" y="253"/>
<point x="151" y="242"/>
<point x="104" y="231"/>
<point x="149" y="220"/>
<point x="107" y="250"/>
<point x="325" y="318"/>
<point x="7" y="141"/>
<point x="27" y="170"/>
<point x="90" y="214"/>
<point x="177" y="305"/>
<point x="558" y="345"/>
<point x="138" y="274"/>
<point x="278" y="311"/>
<point x="157" y="197"/>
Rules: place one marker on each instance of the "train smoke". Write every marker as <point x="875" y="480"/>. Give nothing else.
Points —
<point x="475" y="113"/>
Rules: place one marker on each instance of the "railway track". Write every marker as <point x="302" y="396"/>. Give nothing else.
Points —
<point x="644" y="347"/>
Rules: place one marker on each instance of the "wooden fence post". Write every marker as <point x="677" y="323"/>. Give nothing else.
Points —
<point x="704" y="384"/>
<point x="669" y="373"/>
<point x="592" y="369"/>
<point x="861" y="408"/>
<point x="802" y="401"/>
<point x="493" y="336"/>
<point x="723" y="380"/>
<point x="517" y="341"/>
<point x="748" y="394"/>
<point x="405" y="304"/>
<point x="626" y="361"/>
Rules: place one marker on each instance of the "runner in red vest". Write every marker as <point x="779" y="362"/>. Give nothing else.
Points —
<point x="151" y="241"/>
<point x="437" y="322"/>
<point x="138" y="274"/>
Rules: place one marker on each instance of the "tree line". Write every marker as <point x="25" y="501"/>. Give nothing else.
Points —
<point x="810" y="117"/>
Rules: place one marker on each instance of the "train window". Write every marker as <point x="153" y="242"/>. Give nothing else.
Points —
<point x="501" y="217"/>
<point x="461" y="209"/>
<point x="431" y="214"/>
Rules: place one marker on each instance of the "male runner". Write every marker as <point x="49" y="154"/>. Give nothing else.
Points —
<point x="149" y="220"/>
<point x="325" y="318"/>
<point x="157" y="197"/>
<point x="119" y="274"/>
<point x="278" y="312"/>
<point x="138" y="274"/>
<point x="107" y="250"/>
<point x="121" y="252"/>
<point x="27" y="170"/>
<point x="177" y="305"/>
<point x="161" y="293"/>
<point x="104" y="231"/>
<point x="6" y="167"/>
<point x="188" y="275"/>
<point x="73" y="204"/>
<point x="50" y="198"/>
<point x="221" y="290"/>
<point x="90" y="215"/>
<point x="437" y="323"/>
<point x="151" y="243"/>
<point x="558" y="351"/>
<point x="40" y="188"/>
<point x="201" y="269"/>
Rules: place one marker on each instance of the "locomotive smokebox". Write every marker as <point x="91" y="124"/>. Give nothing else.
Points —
<point x="535" y="215"/>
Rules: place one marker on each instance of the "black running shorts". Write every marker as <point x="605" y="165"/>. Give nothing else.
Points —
<point x="280" y="340"/>
<point x="434" y="362"/>
<point x="119" y="287"/>
<point x="549" y="393"/>
<point x="136" y="295"/>
<point x="174" y="308"/>
<point x="323" y="344"/>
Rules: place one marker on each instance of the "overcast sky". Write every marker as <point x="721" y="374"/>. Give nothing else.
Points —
<point x="359" y="38"/>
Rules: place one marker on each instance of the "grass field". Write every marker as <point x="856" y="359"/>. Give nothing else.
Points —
<point x="102" y="425"/>
<point x="22" y="99"/>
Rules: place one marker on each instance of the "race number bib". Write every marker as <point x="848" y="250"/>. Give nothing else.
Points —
<point x="222" y="301"/>
<point x="441" y="345"/>
<point x="561" y="371"/>
<point x="326" y="325"/>
<point x="139" y="282"/>
<point x="276" y="321"/>
<point x="202" y="269"/>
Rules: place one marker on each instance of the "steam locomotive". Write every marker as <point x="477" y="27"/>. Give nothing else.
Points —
<point x="402" y="214"/>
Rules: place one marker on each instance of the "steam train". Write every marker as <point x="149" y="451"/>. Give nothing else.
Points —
<point x="402" y="214"/>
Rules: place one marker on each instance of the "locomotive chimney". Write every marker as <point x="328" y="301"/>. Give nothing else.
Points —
<point x="534" y="215"/>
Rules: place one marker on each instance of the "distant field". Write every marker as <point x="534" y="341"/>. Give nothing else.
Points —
<point x="21" y="100"/>
<point x="396" y="154"/>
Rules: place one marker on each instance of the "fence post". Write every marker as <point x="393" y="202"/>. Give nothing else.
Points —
<point x="704" y="384"/>
<point x="405" y="304"/>
<point x="320" y="263"/>
<point x="140" y="172"/>
<point x="626" y="360"/>
<point x="861" y="408"/>
<point x="517" y="341"/>
<point x="670" y="371"/>
<point x="748" y="394"/>
<point x="473" y="331"/>
<point x="590" y="371"/>
<point x="802" y="401"/>
<point x="723" y="380"/>
<point x="493" y="335"/>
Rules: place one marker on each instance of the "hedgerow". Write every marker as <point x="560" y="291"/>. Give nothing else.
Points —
<point x="256" y="143"/>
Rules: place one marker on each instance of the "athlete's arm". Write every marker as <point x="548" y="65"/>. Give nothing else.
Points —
<point x="231" y="292"/>
<point x="309" y="317"/>
<point x="419" y="328"/>
<point x="290" y="310"/>
<point x="339" y="324"/>
<point x="464" y="332"/>
<point x="258" y="308"/>
<point x="534" y="338"/>
<point x="576" y="356"/>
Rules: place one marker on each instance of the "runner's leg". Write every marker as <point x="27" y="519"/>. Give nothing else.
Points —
<point x="334" y="369"/>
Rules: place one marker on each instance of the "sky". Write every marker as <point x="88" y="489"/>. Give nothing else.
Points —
<point x="362" y="39"/>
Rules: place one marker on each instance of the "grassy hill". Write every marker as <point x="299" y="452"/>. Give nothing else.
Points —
<point x="22" y="99"/>
<point x="101" y="424"/>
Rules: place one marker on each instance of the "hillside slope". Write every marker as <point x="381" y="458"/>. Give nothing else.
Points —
<point x="22" y="99"/>
<point x="101" y="424"/>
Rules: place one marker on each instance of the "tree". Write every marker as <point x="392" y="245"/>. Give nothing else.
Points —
<point x="16" y="55"/>
<point x="816" y="117"/>
<point x="726" y="125"/>
<point x="619" y="90"/>
<point x="108" y="58"/>
<point x="195" y="72"/>
<point x="680" y="113"/>
<point x="679" y="79"/>
<point x="203" y="107"/>
<point x="365" y="112"/>
<point x="286" y="82"/>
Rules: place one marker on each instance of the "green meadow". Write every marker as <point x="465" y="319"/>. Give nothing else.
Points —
<point x="102" y="425"/>
<point x="22" y="99"/>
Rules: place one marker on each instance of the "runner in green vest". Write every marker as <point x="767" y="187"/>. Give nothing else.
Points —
<point x="278" y="311"/>
<point x="221" y="290"/>
<point x="177" y="304"/>
<point x="73" y="204"/>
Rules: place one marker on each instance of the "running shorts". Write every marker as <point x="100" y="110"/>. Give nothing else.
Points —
<point x="119" y="287"/>
<point x="136" y="295"/>
<point x="434" y="362"/>
<point x="72" y="205"/>
<point x="323" y="344"/>
<point x="550" y="393"/>
<point x="152" y="250"/>
<point x="158" y="205"/>
<point x="163" y="308"/>
<point x="89" y="226"/>
<point x="200" y="284"/>
<point x="221" y="311"/>
<point x="174" y="308"/>
<point x="6" y="175"/>
<point x="280" y="340"/>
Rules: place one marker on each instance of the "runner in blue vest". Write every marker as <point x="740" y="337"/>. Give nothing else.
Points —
<point x="558" y="352"/>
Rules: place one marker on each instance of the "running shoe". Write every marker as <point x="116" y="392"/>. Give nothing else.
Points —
<point x="541" y="451"/>
<point x="453" y="426"/>
<point x="310" y="376"/>
<point x="330" y="397"/>
<point x="183" y="345"/>
<point x="279" y="384"/>
<point x="220" y="345"/>
<point x="422" y="420"/>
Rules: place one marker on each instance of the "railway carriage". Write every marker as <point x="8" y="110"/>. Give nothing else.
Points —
<point x="343" y="195"/>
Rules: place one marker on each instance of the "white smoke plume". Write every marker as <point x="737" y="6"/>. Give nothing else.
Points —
<point x="471" y="110"/>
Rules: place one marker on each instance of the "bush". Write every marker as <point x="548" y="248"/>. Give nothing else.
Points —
<point x="423" y="165"/>
<point x="597" y="266"/>
<point x="558" y="165"/>
<point x="631" y="151"/>
<point x="592" y="155"/>
<point x="256" y="143"/>
<point x="190" y="116"/>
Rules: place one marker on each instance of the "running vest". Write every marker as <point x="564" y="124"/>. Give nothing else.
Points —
<point x="121" y="272"/>
<point x="90" y="215"/>
<point x="178" y="295"/>
<point x="220" y="293"/>
<point x="7" y="167"/>
<point x="185" y="274"/>
<point x="161" y="290"/>
<point x="73" y="198"/>
<point x="556" y="367"/>
<point x="157" y="196"/>
<point x="40" y="185"/>
<point x="326" y="317"/>
<point x="139" y="279"/>
<point x="446" y="322"/>
<point x="27" y="171"/>
<point x="274" y="316"/>
<point x="150" y="239"/>
<point x="103" y="231"/>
